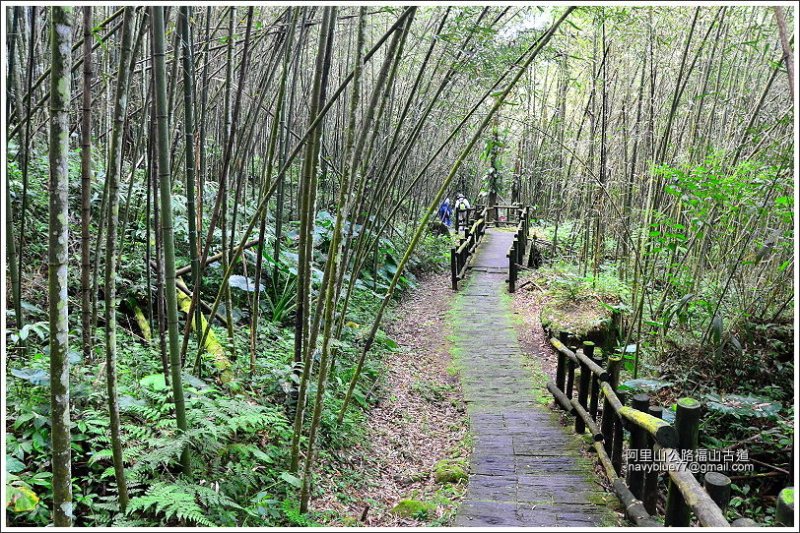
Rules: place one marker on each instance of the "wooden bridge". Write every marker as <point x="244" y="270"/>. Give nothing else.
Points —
<point x="527" y="468"/>
<point x="473" y="222"/>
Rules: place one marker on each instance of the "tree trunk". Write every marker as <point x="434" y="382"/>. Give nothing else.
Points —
<point x="58" y="257"/>
<point x="167" y="230"/>
<point x="114" y="169"/>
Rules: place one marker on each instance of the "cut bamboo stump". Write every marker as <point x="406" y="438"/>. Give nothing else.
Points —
<point x="638" y="442"/>
<point x="784" y="508"/>
<point x="687" y="422"/>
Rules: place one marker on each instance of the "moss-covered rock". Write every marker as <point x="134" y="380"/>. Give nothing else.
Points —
<point x="584" y="321"/>
<point x="450" y="471"/>
<point x="412" y="509"/>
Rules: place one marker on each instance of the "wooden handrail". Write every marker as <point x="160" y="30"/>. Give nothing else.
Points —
<point x="664" y="433"/>
<point x="646" y="430"/>
<point x="516" y="254"/>
<point x="460" y="256"/>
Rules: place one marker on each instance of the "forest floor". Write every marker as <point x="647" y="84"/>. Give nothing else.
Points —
<point x="419" y="420"/>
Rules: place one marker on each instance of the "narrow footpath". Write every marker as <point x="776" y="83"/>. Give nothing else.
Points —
<point x="526" y="468"/>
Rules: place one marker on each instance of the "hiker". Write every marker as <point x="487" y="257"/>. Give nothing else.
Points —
<point x="445" y="211"/>
<point x="462" y="205"/>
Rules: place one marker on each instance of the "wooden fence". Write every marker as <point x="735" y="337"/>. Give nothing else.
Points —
<point x="600" y="407"/>
<point x="465" y="218"/>
<point x="460" y="256"/>
<point x="513" y="214"/>
<point x="516" y="254"/>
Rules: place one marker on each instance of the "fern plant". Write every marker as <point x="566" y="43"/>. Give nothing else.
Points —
<point x="180" y="503"/>
<point x="234" y="441"/>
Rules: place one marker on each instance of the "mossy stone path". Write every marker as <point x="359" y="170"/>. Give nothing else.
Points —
<point x="526" y="469"/>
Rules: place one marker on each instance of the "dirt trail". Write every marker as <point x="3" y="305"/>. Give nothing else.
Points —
<point x="419" y="420"/>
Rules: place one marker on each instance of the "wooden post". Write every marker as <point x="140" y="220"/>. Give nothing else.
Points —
<point x="607" y="424"/>
<point x="687" y="422"/>
<point x="588" y="349"/>
<point x="583" y="386"/>
<point x="526" y="224"/>
<point x="650" y="490"/>
<point x="527" y="214"/>
<point x="619" y="438"/>
<point x="718" y="486"/>
<point x="594" y="399"/>
<point x="784" y="508"/>
<point x="638" y="442"/>
<point x="453" y="269"/>
<point x="512" y="267"/>
<point x="570" y="372"/>
<point x="561" y="368"/>
<point x="570" y="378"/>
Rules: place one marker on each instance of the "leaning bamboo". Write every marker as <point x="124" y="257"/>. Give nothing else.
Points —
<point x="422" y="226"/>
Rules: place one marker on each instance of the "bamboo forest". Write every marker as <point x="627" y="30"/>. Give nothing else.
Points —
<point x="302" y="264"/>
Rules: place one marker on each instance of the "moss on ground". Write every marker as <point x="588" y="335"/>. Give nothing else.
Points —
<point x="584" y="320"/>
<point x="450" y="471"/>
<point x="413" y="509"/>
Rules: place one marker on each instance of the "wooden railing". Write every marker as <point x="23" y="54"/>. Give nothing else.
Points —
<point x="512" y="214"/>
<point x="460" y="255"/>
<point x="649" y="437"/>
<point x="516" y="254"/>
<point x="465" y="218"/>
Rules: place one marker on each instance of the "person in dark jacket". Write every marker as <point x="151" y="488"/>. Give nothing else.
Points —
<point x="445" y="211"/>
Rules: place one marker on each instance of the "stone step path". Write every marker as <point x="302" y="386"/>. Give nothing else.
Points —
<point x="526" y="468"/>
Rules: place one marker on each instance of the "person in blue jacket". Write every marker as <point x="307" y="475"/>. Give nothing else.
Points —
<point x="445" y="211"/>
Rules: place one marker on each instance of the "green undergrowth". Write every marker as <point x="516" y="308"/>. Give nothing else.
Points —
<point x="239" y="431"/>
<point x="241" y="426"/>
<point x="739" y="365"/>
<point x="239" y="435"/>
